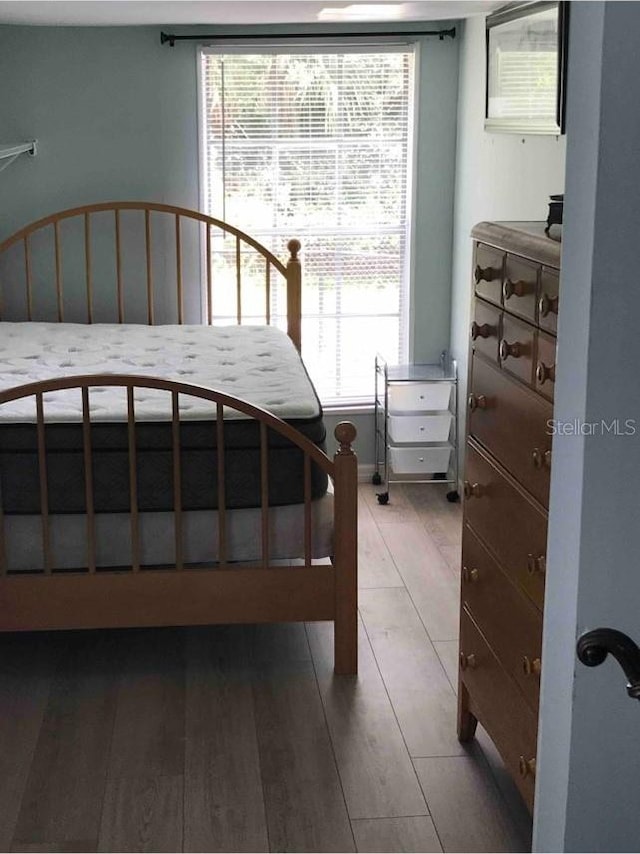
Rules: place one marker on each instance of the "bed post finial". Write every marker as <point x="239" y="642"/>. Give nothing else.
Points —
<point x="294" y="294"/>
<point x="294" y="247"/>
<point x="345" y="433"/>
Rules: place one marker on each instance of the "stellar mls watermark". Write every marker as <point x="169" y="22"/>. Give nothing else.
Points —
<point x="603" y="427"/>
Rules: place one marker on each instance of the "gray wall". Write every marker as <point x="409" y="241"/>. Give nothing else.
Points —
<point x="115" y="114"/>
<point x="498" y="177"/>
<point x="588" y="786"/>
<point x="437" y="97"/>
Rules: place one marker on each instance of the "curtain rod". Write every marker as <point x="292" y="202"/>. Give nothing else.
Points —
<point x="171" y="38"/>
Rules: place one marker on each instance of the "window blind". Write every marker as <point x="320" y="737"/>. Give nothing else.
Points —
<point x="528" y="83"/>
<point x="523" y="78"/>
<point x="315" y="145"/>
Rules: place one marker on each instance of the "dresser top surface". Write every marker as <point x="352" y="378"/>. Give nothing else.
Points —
<point x="524" y="238"/>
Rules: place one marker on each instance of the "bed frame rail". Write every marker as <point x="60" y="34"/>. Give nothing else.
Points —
<point x="180" y="594"/>
<point x="221" y="258"/>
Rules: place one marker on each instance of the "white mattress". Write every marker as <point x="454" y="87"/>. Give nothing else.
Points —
<point x="257" y="363"/>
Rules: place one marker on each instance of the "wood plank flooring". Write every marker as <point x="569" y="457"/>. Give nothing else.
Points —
<point x="240" y="738"/>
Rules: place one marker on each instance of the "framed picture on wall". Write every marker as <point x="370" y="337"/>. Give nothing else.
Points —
<point x="526" y="68"/>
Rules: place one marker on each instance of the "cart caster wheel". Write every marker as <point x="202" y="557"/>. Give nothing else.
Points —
<point x="453" y="496"/>
<point x="383" y="498"/>
<point x="376" y="480"/>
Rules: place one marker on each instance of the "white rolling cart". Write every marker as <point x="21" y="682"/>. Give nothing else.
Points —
<point x="416" y="424"/>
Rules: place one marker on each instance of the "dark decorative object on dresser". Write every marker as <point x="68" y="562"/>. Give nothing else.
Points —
<point x="556" y="205"/>
<point x="507" y="473"/>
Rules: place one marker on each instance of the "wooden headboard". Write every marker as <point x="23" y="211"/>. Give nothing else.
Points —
<point x="122" y="247"/>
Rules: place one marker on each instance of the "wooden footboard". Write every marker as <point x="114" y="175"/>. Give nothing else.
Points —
<point x="177" y="593"/>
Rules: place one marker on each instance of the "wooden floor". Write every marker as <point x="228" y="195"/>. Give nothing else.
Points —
<point x="241" y="738"/>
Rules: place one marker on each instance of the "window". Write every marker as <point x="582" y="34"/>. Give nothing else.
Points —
<point x="315" y="144"/>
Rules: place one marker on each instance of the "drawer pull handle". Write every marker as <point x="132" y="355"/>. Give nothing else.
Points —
<point x="536" y="564"/>
<point x="482" y="330"/>
<point x="515" y="289"/>
<point x="478" y="401"/>
<point x="531" y="667"/>
<point x="472" y="490"/>
<point x="487" y="274"/>
<point x="468" y="661"/>
<point x="470" y="576"/>
<point x="547" y="305"/>
<point x="545" y="372"/>
<point x="541" y="459"/>
<point x="516" y="349"/>
<point x="527" y="767"/>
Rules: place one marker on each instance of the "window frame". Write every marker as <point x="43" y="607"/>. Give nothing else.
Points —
<point x="337" y="45"/>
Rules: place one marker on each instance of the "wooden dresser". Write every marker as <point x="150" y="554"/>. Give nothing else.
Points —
<point x="507" y="472"/>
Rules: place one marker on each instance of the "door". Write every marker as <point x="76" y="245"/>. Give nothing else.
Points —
<point x="588" y="782"/>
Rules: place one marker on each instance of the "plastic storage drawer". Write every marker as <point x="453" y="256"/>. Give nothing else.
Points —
<point x="420" y="428"/>
<point x="419" y="397"/>
<point x="420" y="460"/>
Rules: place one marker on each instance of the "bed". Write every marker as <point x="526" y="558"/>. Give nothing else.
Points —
<point x="162" y="450"/>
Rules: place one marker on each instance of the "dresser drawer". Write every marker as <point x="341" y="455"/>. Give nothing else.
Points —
<point x="505" y="518"/>
<point x="487" y="273"/>
<point x="420" y="428"/>
<point x="548" y="299"/>
<point x="418" y="397"/>
<point x="509" y="621"/>
<point x="485" y="329"/>
<point x="517" y="347"/>
<point x="546" y="365"/>
<point x="496" y="701"/>
<point x="513" y="423"/>
<point x="520" y="289"/>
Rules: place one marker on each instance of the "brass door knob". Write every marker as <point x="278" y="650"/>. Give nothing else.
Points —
<point x="468" y="661"/>
<point x="515" y="289"/>
<point x="527" y="767"/>
<point x="482" y="330"/>
<point x="472" y="490"/>
<point x="531" y="666"/>
<point x="541" y="459"/>
<point x="487" y="274"/>
<point x="545" y="372"/>
<point x="478" y="401"/>
<point x="536" y="564"/>
<point x="516" y="349"/>
<point x="470" y="576"/>
<point x="547" y="305"/>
